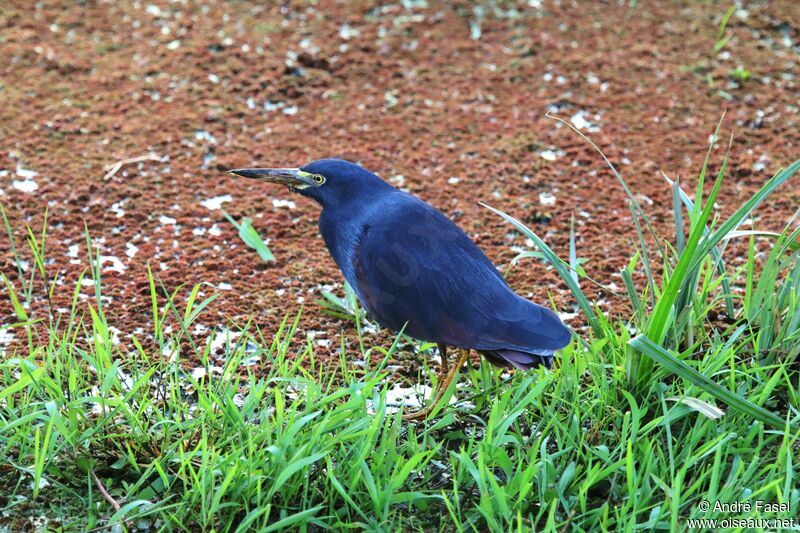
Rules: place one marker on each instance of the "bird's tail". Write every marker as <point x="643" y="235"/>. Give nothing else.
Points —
<point x="520" y="360"/>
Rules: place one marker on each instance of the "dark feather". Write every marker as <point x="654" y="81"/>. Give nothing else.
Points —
<point x="409" y="264"/>
<point x="519" y="360"/>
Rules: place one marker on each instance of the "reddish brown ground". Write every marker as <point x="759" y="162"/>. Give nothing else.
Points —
<point x="404" y="90"/>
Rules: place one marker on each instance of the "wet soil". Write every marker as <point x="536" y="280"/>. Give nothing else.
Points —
<point x="446" y="100"/>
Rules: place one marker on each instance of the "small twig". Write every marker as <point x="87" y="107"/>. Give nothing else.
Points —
<point x="112" y="169"/>
<point x="104" y="492"/>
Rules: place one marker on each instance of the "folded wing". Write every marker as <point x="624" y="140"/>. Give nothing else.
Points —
<point x="429" y="276"/>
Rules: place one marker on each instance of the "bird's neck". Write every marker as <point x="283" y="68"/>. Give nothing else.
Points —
<point x="342" y="225"/>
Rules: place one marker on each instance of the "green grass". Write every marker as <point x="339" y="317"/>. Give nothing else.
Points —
<point x="646" y="416"/>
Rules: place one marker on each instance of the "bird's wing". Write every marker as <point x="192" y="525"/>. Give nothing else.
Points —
<point x="414" y="266"/>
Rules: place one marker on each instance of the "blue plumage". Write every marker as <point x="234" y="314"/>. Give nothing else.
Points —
<point x="410" y="264"/>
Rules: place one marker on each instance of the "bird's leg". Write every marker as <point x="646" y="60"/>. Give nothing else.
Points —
<point x="443" y="369"/>
<point x="451" y="375"/>
<point x="441" y="389"/>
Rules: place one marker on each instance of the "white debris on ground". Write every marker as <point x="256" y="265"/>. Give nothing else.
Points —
<point x="124" y="378"/>
<point x="293" y="390"/>
<point x="220" y="339"/>
<point x="116" y="208"/>
<point x="116" y="264"/>
<point x="314" y="334"/>
<point x="165" y="220"/>
<point x="280" y="202"/>
<point x="25" y="173"/>
<point x="43" y="483"/>
<point x="253" y="360"/>
<point x="170" y="351"/>
<point x="131" y="249"/>
<point x="202" y="135"/>
<point x="200" y="372"/>
<point x="6" y="338"/>
<point x="551" y="155"/>
<point x="567" y="316"/>
<point x="216" y="202"/>
<point x="547" y="198"/>
<point x="370" y="328"/>
<point x="581" y="122"/>
<point x="761" y="163"/>
<point x="346" y="32"/>
<point x="26" y="184"/>
<point x="114" y="338"/>
<point x="400" y="398"/>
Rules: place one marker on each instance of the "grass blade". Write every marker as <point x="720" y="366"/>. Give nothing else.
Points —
<point x="251" y="238"/>
<point x="676" y="366"/>
<point x="561" y="267"/>
<point x="738" y="217"/>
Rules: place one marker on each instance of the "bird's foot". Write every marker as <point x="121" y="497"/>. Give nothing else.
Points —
<point x="443" y="383"/>
<point x="419" y="414"/>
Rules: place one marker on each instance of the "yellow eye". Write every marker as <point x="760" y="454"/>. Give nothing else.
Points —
<point x="319" y="179"/>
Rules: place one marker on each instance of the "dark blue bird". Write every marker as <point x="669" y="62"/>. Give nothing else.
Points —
<point x="411" y="265"/>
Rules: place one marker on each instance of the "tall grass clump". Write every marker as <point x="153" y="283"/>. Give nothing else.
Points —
<point x="672" y="314"/>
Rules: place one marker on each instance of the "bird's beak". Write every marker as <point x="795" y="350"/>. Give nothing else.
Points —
<point x="291" y="177"/>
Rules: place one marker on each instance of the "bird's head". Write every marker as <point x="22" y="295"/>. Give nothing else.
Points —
<point x="328" y="181"/>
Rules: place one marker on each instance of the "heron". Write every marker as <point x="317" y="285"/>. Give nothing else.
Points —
<point x="414" y="270"/>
